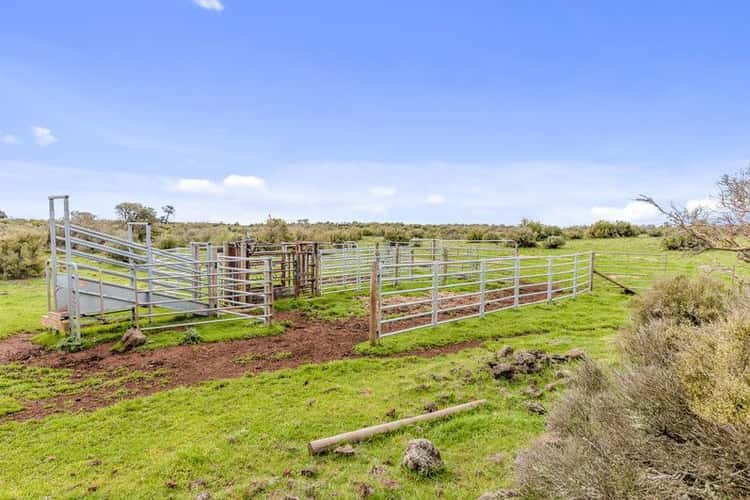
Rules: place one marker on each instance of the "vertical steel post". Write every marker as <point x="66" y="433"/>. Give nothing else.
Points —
<point x="549" y="279"/>
<point x="76" y="324"/>
<point x="68" y="261"/>
<point x="150" y="261"/>
<point x="396" y="269"/>
<point x="482" y="287"/>
<point x="212" y="275"/>
<point x="133" y="275"/>
<point x="411" y="258"/>
<point x="359" y="269"/>
<point x="268" y="290"/>
<point x="435" y="298"/>
<point x="517" y="282"/>
<point x="197" y="285"/>
<point x="53" y="249"/>
<point x="575" y="275"/>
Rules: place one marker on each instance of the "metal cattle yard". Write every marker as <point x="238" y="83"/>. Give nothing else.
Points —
<point x="97" y="277"/>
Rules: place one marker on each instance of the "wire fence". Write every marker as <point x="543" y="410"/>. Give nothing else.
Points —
<point x="433" y="293"/>
<point x="634" y="272"/>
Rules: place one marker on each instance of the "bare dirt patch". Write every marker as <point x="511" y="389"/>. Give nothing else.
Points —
<point x="305" y="341"/>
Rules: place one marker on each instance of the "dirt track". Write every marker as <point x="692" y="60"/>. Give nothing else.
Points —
<point x="306" y="341"/>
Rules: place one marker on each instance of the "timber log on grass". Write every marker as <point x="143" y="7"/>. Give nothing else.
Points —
<point x="326" y="444"/>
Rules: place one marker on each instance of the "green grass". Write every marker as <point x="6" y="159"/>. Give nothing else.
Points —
<point x="209" y="332"/>
<point x="21" y="383"/>
<point x="598" y="314"/>
<point x="249" y="435"/>
<point x="235" y="435"/>
<point x="22" y="304"/>
<point x="327" y="307"/>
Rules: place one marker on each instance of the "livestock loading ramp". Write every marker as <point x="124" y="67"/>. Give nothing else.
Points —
<point x="91" y="274"/>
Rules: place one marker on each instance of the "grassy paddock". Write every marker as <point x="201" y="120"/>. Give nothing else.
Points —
<point x="241" y="435"/>
<point x="235" y="438"/>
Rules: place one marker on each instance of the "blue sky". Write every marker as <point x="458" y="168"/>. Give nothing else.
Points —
<point x="418" y="111"/>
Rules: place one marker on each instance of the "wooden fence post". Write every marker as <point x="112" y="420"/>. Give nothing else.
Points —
<point x="375" y="303"/>
<point x="549" y="279"/>
<point x="591" y="271"/>
<point x="482" y="287"/>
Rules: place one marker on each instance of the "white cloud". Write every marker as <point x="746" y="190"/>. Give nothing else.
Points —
<point x="43" y="136"/>
<point x="435" y="199"/>
<point x="8" y="139"/>
<point x="209" y="4"/>
<point x="635" y="211"/>
<point x="244" y="181"/>
<point x="705" y="204"/>
<point x="383" y="192"/>
<point x="198" y="186"/>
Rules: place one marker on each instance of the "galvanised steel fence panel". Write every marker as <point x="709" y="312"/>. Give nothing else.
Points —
<point x="432" y="293"/>
<point x="90" y="274"/>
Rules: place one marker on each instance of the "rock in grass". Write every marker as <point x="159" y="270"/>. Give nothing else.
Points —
<point x="535" y="408"/>
<point x="499" y="494"/>
<point x="203" y="495"/>
<point x="132" y="338"/>
<point x="575" y="354"/>
<point x="364" y="490"/>
<point x="422" y="457"/>
<point x="502" y="370"/>
<point x="345" y="450"/>
<point x="309" y="471"/>
<point x="505" y="352"/>
<point x="430" y="407"/>
<point x="532" y="390"/>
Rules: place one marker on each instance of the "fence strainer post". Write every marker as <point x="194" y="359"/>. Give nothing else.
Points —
<point x="435" y="277"/>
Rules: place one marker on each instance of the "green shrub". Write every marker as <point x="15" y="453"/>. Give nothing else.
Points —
<point x="70" y="344"/>
<point x="606" y="229"/>
<point x="714" y="369"/>
<point x="554" y="242"/>
<point x="682" y="300"/>
<point x="671" y="423"/>
<point x="680" y="240"/>
<point x="22" y="253"/>
<point x="524" y="236"/>
<point x="574" y="233"/>
<point x="475" y="235"/>
<point x="655" y="231"/>
<point x="190" y="337"/>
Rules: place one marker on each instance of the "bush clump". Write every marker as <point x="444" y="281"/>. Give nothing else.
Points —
<point x="22" y="253"/>
<point x="618" y="229"/>
<point x="554" y="242"/>
<point x="525" y="237"/>
<point x="714" y="369"/>
<point x="672" y="423"/>
<point x="679" y="240"/>
<point x="190" y="337"/>
<point x="682" y="300"/>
